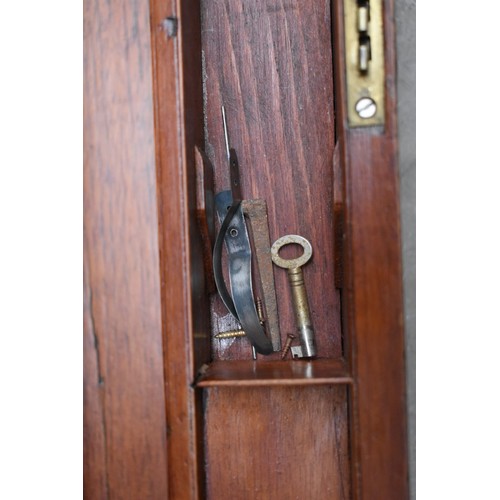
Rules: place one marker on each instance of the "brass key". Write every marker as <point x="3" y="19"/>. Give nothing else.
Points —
<point x="307" y="347"/>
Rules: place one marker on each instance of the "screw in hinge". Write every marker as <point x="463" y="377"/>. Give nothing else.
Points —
<point x="232" y="334"/>
<point x="288" y="343"/>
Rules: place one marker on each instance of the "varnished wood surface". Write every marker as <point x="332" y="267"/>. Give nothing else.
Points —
<point x="185" y="311"/>
<point x="271" y="443"/>
<point x="124" y="406"/>
<point x="270" y="64"/>
<point x="372" y="293"/>
<point x="338" y="215"/>
<point x="205" y="213"/>
<point x="279" y="118"/>
<point x="252" y="373"/>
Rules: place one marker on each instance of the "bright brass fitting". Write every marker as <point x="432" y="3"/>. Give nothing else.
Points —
<point x="231" y="334"/>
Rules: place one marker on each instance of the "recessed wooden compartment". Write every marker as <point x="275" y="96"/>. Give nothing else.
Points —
<point x="272" y="68"/>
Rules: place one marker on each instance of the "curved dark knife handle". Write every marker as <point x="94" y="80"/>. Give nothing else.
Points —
<point x="217" y="260"/>
<point x="234" y="175"/>
<point x="234" y="233"/>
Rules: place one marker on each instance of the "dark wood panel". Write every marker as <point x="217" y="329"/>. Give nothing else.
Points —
<point x="372" y="288"/>
<point x="277" y="443"/>
<point x="271" y="65"/>
<point x="376" y="288"/>
<point x="94" y="425"/>
<point x="175" y="29"/>
<point x="124" y="405"/>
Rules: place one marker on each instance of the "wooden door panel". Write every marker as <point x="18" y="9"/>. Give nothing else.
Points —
<point x="277" y="443"/>
<point x="271" y="65"/>
<point x="125" y="439"/>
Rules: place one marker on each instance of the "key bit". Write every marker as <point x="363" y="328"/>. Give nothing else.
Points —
<point x="298" y="289"/>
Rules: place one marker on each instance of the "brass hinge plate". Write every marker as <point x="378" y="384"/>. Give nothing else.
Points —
<point x="365" y="74"/>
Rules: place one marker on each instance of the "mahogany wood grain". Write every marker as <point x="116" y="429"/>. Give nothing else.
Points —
<point x="252" y="373"/>
<point x="175" y="31"/>
<point x="124" y="406"/>
<point x="338" y="216"/>
<point x="270" y="64"/>
<point x="205" y="213"/>
<point x="95" y="473"/>
<point x="372" y="293"/>
<point x="277" y="443"/>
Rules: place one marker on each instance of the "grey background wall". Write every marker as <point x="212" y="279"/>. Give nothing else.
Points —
<point x="406" y="40"/>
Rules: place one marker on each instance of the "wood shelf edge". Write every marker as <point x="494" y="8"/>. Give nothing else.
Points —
<point x="275" y="373"/>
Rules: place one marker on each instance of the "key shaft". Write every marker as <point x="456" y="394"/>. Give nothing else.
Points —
<point x="301" y="310"/>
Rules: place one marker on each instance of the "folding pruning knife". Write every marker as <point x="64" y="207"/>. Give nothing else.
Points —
<point x="233" y="232"/>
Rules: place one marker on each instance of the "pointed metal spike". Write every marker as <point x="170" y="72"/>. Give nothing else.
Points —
<point x="226" y="136"/>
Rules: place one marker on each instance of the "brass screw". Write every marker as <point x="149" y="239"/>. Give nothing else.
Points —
<point x="288" y="343"/>
<point x="232" y="334"/>
<point x="260" y="310"/>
